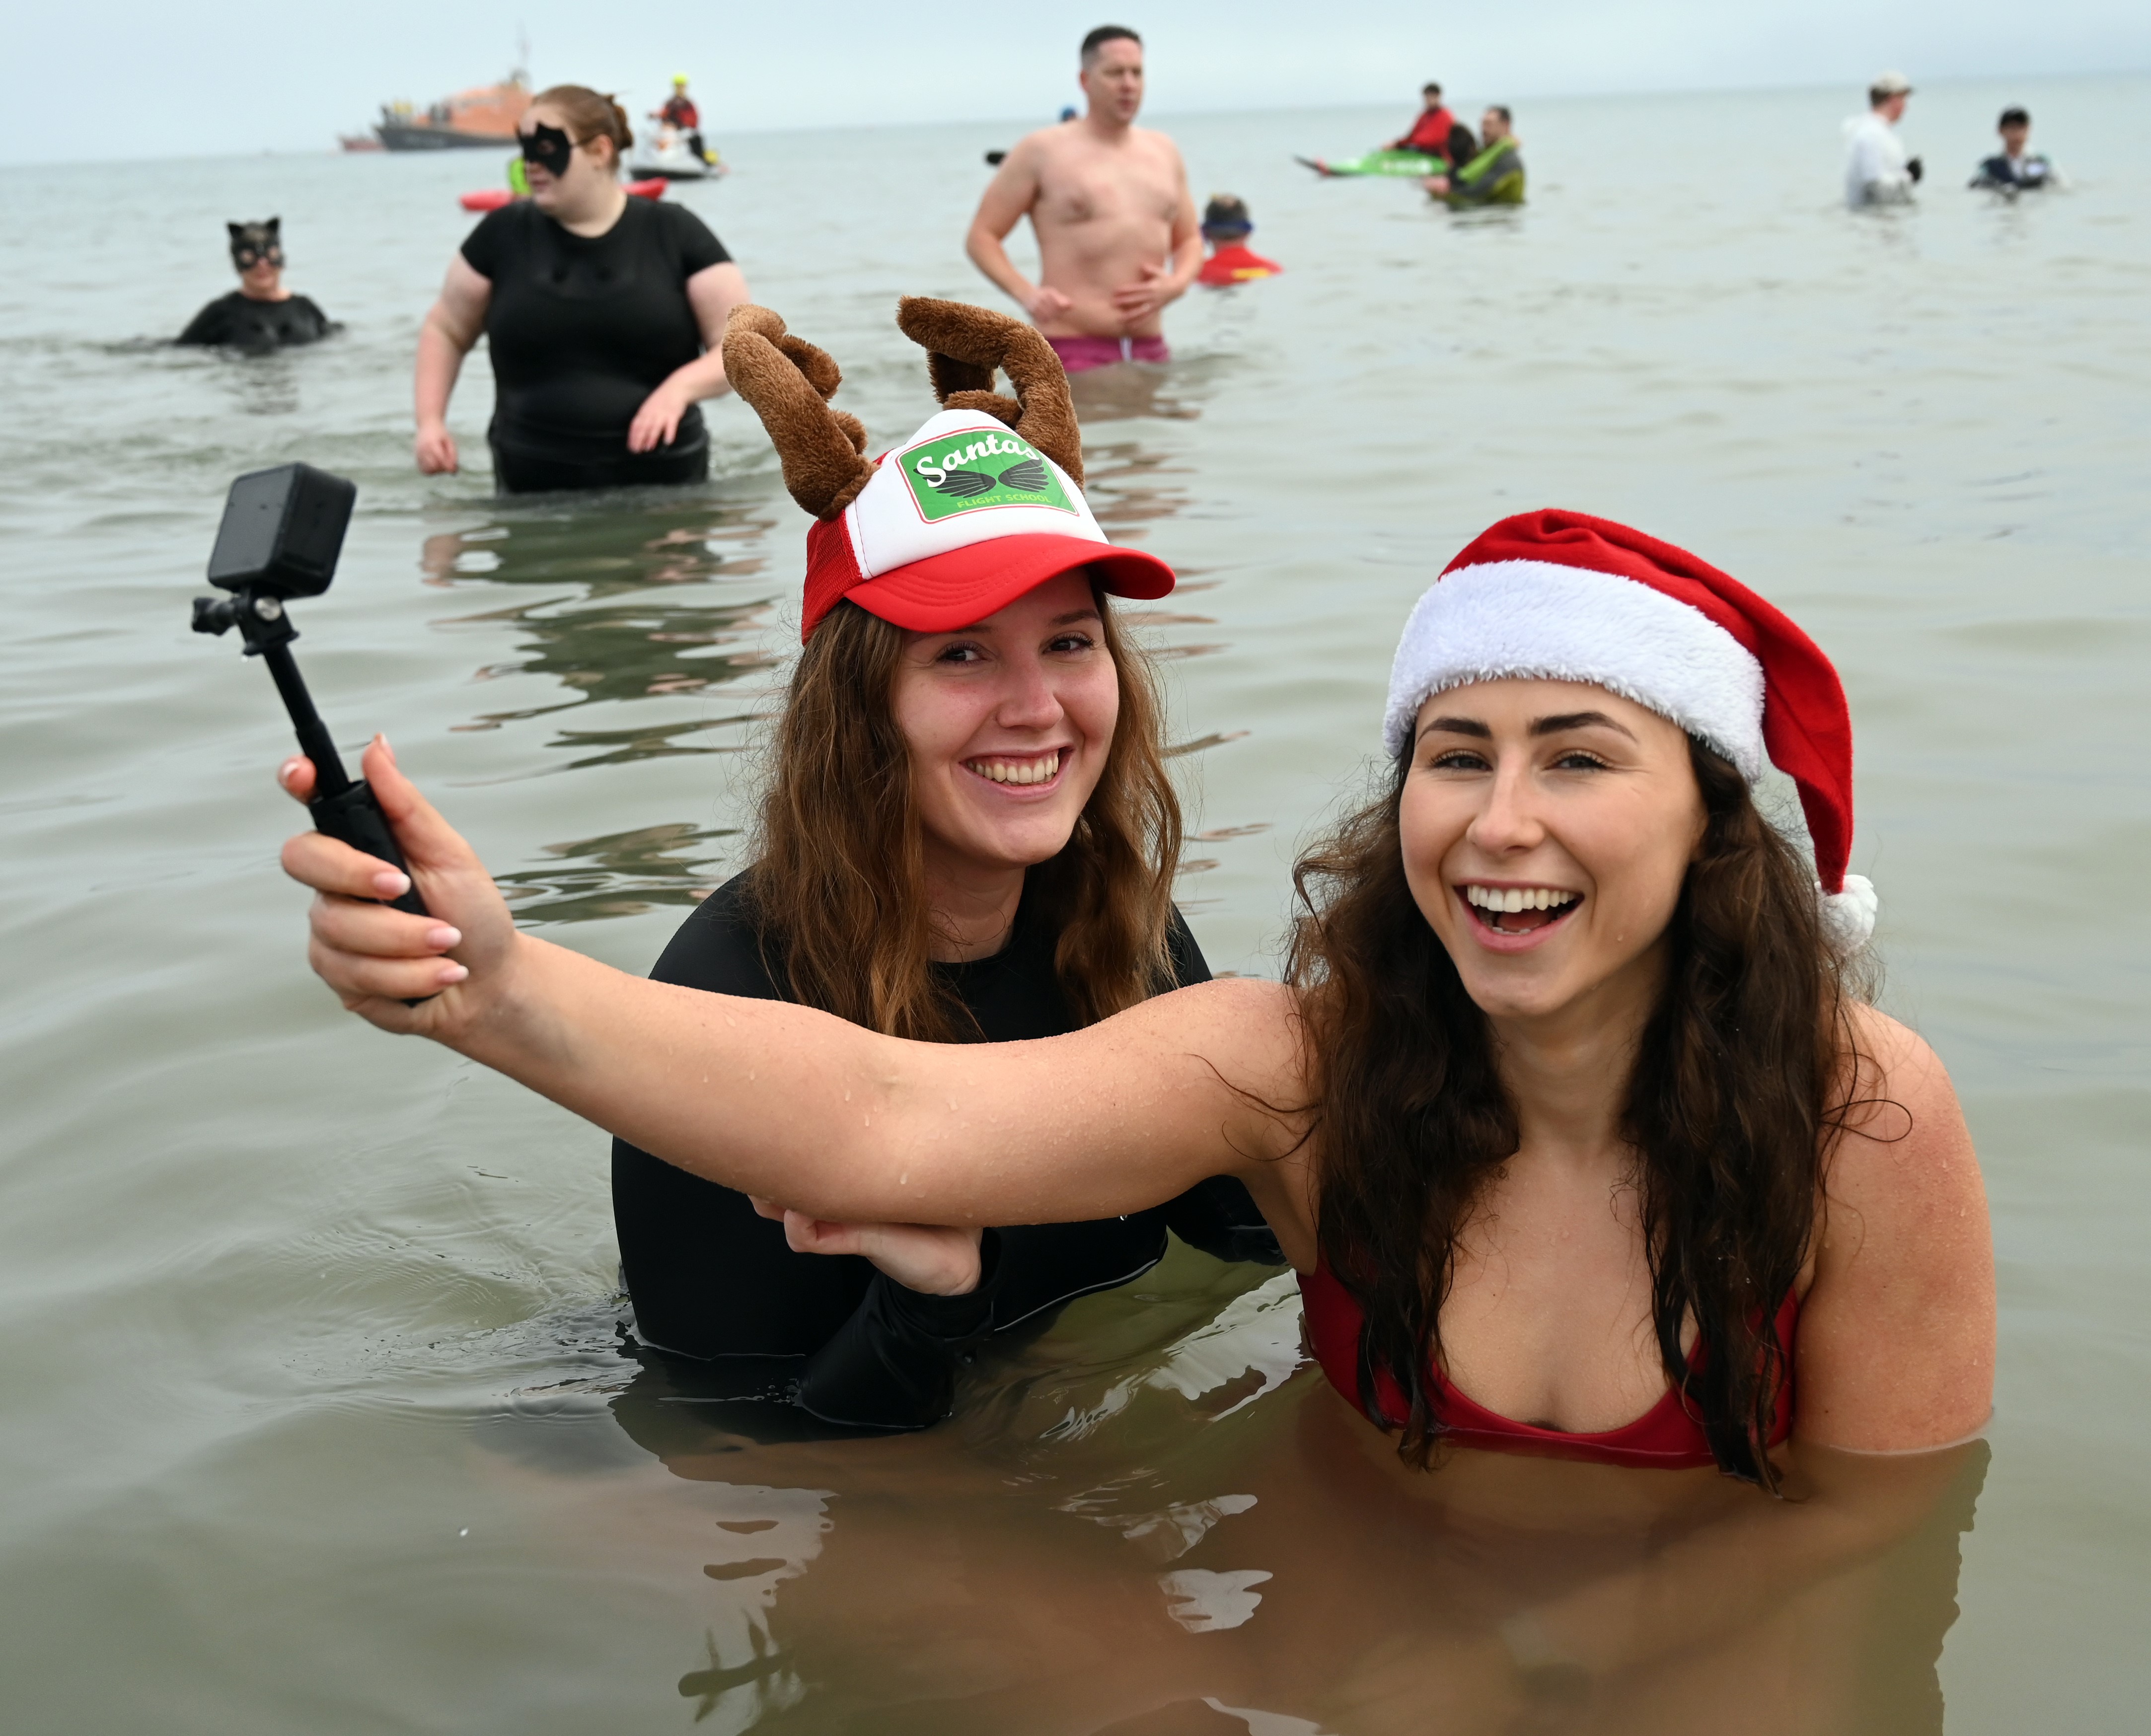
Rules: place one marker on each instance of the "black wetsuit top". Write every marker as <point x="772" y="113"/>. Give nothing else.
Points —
<point x="709" y="1279"/>
<point x="2014" y="174"/>
<point x="243" y="322"/>
<point x="582" y="330"/>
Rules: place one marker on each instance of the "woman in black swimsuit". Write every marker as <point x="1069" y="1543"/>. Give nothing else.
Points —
<point x="969" y="835"/>
<point x="605" y="316"/>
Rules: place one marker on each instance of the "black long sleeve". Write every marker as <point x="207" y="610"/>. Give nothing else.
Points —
<point x="709" y="1278"/>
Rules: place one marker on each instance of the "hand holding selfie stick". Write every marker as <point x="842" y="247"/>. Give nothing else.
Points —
<point x="282" y="533"/>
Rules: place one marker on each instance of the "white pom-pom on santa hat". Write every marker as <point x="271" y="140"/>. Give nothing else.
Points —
<point x="1562" y="597"/>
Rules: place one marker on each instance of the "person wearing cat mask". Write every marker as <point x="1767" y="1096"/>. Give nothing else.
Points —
<point x="604" y="316"/>
<point x="261" y="314"/>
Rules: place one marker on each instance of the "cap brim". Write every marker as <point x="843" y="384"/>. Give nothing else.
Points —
<point x="965" y="585"/>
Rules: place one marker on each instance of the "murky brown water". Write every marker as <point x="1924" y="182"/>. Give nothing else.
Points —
<point x="317" y="1418"/>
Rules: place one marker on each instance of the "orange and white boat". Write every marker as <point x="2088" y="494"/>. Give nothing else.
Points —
<point x="481" y="118"/>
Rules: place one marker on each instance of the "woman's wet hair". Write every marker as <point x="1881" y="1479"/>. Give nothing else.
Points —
<point x="1742" y="1078"/>
<point x="838" y="888"/>
<point x="589" y="114"/>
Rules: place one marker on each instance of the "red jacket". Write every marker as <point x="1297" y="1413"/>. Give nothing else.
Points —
<point x="1429" y="133"/>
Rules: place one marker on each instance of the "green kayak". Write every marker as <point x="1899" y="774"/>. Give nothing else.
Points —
<point x="1377" y="162"/>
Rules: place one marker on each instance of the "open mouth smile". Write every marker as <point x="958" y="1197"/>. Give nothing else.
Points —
<point x="1028" y="771"/>
<point x="1517" y="911"/>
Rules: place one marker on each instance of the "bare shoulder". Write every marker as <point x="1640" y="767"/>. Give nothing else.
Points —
<point x="1903" y="1127"/>
<point x="1896" y="1335"/>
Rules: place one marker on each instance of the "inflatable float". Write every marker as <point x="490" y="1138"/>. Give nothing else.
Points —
<point x="1378" y="162"/>
<point x="491" y="198"/>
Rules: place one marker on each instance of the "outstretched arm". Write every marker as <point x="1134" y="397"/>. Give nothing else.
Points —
<point x="798" y="1106"/>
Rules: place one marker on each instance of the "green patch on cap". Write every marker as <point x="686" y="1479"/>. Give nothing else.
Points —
<point x="979" y="467"/>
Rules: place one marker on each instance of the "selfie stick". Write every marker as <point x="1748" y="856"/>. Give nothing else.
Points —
<point x="282" y="533"/>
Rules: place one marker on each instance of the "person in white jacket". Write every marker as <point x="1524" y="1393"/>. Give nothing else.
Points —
<point x="1877" y="170"/>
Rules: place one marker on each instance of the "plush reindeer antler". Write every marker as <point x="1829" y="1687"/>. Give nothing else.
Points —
<point x="788" y="381"/>
<point x="965" y="344"/>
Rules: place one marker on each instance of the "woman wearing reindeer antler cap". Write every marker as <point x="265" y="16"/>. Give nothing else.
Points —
<point x="967" y="834"/>
<point x="1569" y="1113"/>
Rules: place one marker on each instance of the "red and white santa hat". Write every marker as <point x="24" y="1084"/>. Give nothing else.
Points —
<point x="1563" y="596"/>
<point x="958" y="522"/>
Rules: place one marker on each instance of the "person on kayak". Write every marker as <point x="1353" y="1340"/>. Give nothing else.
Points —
<point x="968" y="833"/>
<point x="261" y="314"/>
<point x="1225" y="227"/>
<point x="1494" y="175"/>
<point x="1437" y="133"/>
<point x="1108" y="200"/>
<point x="2013" y="169"/>
<point x="681" y="114"/>
<point x="604" y="316"/>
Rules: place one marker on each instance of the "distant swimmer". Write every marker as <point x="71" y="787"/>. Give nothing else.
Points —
<point x="261" y="314"/>
<point x="1226" y="226"/>
<point x="1108" y="200"/>
<point x="1437" y="133"/>
<point x="2015" y="170"/>
<point x="604" y="317"/>
<point x="1877" y="170"/>
<point x="1495" y="176"/>
<point x="681" y="115"/>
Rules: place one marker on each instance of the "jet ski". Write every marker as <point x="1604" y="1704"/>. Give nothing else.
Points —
<point x="669" y="157"/>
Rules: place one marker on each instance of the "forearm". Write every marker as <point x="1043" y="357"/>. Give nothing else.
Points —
<point x="704" y="378"/>
<point x="770" y="1099"/>
<point x="989" y="254"/>
<point x="1727" y="1576"/>
<point x="440" y="362"/>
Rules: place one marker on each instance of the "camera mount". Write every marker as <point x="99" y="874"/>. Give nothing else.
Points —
<point x="282" y="532"/>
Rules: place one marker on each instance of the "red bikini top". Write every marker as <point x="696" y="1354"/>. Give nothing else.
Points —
<point x="1665" y="1437"/>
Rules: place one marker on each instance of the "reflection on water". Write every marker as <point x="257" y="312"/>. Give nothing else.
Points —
<point x="1156" y="1517"/>
<point x="622" y="875"/>
<point x="1126" y="485"/>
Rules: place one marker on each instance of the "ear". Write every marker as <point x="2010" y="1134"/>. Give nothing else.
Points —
<point x="965" y="344"/>
<point x="272" y="225"/>
<point x="237" y="229"/>
<point x="788" y="381"/>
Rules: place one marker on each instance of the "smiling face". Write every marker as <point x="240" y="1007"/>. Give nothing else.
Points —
<point x="1009" y="723"/>
<point x="1547" y="828"/>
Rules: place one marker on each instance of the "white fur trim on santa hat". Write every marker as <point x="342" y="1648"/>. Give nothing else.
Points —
<point x="1848" y="916"/>
<point x="1507" y="620"/>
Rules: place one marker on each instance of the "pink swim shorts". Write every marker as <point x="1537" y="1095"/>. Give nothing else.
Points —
<point x="1079" y="353"/>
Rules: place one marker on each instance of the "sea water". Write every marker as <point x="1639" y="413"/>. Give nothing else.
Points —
<point x="318" y="1414"/>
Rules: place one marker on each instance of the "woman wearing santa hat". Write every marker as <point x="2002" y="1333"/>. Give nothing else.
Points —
<point x="1570" y="1113"/>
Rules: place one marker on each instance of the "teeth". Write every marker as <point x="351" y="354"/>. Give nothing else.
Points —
<point x="1018" y="771"/>
<point x="1508" y="899"/>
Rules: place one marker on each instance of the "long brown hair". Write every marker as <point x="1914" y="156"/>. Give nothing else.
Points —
<point x="1742" y="1077"/>
<point x="838" y="886"/>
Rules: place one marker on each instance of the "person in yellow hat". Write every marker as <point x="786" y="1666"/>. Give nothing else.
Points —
<point x="680" y="111"/>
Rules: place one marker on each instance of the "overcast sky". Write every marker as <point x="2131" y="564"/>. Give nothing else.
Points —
<point x="211" y="76"/>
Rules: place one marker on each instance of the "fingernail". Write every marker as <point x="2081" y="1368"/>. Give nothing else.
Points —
<point x="451" y="972"/>
<point x="444" y="937"/>
<point x="289" y="770"/>
<point x="390" y="885"/>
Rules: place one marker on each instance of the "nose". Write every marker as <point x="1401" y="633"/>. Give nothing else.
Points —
<point x="1028" y="698"/>
<point x="1509" y="823"/>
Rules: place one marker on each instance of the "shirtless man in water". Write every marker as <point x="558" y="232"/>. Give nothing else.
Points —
<point x="1117" y="235"/>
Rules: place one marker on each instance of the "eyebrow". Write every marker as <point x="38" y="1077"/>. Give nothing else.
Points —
<point x="1577" y="720"/>
<point x="1554" y="726"/>
<point x="1059" y="620"/>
